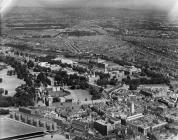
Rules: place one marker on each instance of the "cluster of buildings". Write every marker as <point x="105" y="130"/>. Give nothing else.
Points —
<point x="111" y="68"/>
<point x="57" y="67"/>
<point x="124" y="113"/>
<point x="96" y="120"/>
<point x="47" y="65"/>
<point x="161" y="93"/>
<point x="156" y="90"/>
<point x="143" y="124"/>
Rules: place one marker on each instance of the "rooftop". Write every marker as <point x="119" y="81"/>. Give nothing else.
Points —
<point x="154" y="86"/>
<point x="76" y="124"/>
<point x="147" y="121"/>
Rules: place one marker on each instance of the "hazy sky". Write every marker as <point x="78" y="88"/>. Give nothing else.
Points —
<point x="168" y="5"/>
<point x="162" y="4"/>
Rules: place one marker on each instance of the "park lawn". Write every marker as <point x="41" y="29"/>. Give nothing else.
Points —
<point x="9" y="83"/>
<point x="79" y="94"/>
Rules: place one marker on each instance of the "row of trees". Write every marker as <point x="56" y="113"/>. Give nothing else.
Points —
<point x="73" y="80"/>
<point x="134" y="83"/>
<point x="105" y="79"/>
<point x="20" y="69"/>
<point x="4" y="112"/>
<point x="3" y="91"/>
<point x="6" y="101"/>
<point x="25" y="94"/>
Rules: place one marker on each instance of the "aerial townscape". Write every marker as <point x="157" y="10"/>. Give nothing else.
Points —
<point x="88" y="73"/>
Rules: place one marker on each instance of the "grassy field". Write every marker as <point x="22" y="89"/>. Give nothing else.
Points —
<point x="9" y="83"/>
<point x="58" y="94"/>
<point x="80" y="95"/>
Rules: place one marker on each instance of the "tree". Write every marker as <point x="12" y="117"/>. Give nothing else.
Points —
<point x="42" y="78"/>
<point x="28" y="80"/>
<point x="126" y="72"/>
<point x="30" y="64"/>
<point x="133" y="87"/>
<point x="4" y="112"/>
<point x="95" y="92"/>
<point x="1" y="91"/>
<point x="113" y="81"/>
<point x="56" y="99"/>
<point x="0" y="80"/>
<point x="102" y="82"/>
<point x="48" y="81"/>
<point x="84" y="85"/>
<point x="6" y="92"/>
<point x="37" y="83"/>
<point x="24" y="96"/>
